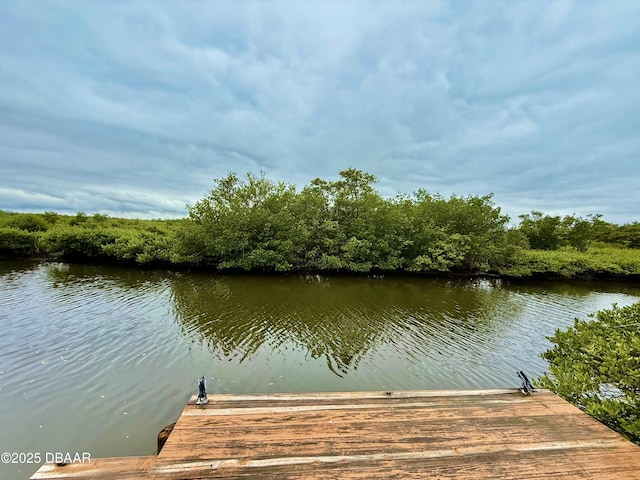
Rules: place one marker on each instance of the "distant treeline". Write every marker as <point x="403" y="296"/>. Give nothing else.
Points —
<point x="254" y="224"/>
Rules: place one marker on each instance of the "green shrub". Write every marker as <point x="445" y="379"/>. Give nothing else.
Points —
<point x="596" y="365"/>
<point x="79" y="218"/>
<point x="28" y="222"/>
<point x="599" y="261"/>
<point x="77" y="242"/>
<point x="15" y="242"/>
<point x="51" y="217"/>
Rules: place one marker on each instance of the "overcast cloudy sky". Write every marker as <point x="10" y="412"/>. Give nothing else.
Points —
<point x="133" y="108"/>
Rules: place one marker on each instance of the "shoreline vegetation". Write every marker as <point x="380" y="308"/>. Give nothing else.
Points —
<point x="595" y="365"/>
<point x="252" y="224"/>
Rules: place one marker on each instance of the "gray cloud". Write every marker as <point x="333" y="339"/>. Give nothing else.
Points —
<point x="133" y="108"/>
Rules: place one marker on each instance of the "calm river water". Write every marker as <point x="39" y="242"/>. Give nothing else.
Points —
<point x="98" y="359"/>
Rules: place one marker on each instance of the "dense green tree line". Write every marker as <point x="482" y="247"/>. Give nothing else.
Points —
<point x="253" y="224"/>
<point x="596" y="365"/>
<point x="545" y="232"/>
<point x="345" y="225"/>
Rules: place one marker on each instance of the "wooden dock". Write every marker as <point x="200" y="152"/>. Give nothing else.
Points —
<point x="405" y="434"/>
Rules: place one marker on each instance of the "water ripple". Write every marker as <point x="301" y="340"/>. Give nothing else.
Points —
<point x="116" y="352"/>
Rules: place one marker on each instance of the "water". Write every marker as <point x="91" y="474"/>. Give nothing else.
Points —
<point x="98" y="359"/>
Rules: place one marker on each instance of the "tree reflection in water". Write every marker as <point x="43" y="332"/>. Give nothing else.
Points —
<point x="342" y="319"/>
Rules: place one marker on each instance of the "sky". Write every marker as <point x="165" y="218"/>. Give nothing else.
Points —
<point x="132" y="109"/>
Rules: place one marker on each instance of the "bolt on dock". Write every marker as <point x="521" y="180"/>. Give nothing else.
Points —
<point x="438" y="434"/>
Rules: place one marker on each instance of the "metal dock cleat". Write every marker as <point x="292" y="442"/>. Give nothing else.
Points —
<point x="527" y="388"/>
<point x="202" y="391"/>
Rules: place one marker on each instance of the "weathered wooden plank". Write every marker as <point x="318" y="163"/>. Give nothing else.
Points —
<point x="432" y="408"/>
<point x="409" y="434"/>
<point x="353" y="396"/>
<point x="404" y="424"/>
<point x="459" y="397"/>
<point x="372" y="413"/>
<point x="518" y="402"/>
<point x="285" y="408"/>
<point x="225" y="406"/>
<point x="260" y="436"/>
<point x="360" y="435"/>
<point x="543" y="462"/>
<point x="116" y="468"/>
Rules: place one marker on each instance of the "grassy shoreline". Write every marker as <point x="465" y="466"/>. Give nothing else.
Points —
<point x="600" y="261"/>
<point x="172" y="244"/>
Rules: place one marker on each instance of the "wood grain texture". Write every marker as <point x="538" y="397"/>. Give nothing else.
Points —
<point x="117" y="468"/>
<point x="471" y="434"/>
